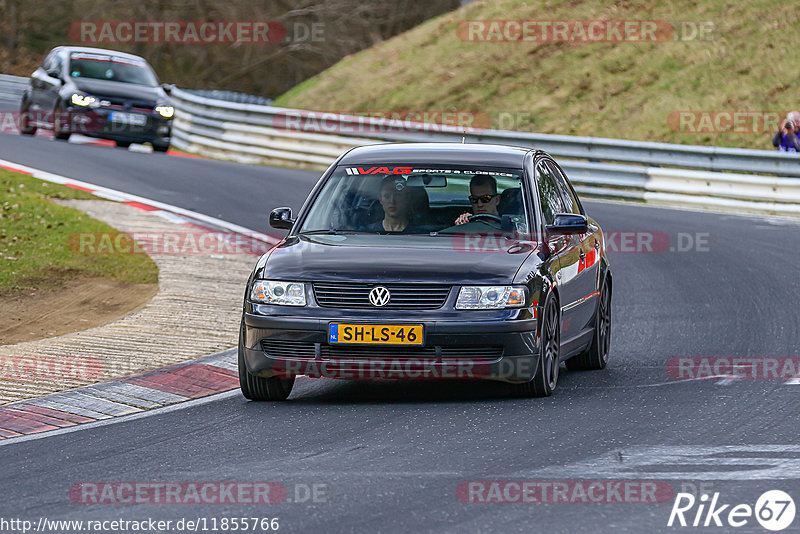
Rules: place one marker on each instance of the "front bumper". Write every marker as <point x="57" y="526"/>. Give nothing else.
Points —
<point x="96" y="123"/>
<point x="499" y="349"/>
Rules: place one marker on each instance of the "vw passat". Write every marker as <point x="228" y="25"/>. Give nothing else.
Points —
<point x="430" y="261"/>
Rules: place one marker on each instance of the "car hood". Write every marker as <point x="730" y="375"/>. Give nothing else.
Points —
<point x="105" y="88"/>
<point x="421" y="260"/>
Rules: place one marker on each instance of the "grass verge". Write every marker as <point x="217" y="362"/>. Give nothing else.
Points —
<point x="34" y="236"/>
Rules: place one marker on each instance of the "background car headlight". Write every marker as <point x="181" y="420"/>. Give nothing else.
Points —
<point x="283" y="293"/>
<point x="165" y="111"/>
<point x="83" y="100"/>
<point x="490" y="297"/>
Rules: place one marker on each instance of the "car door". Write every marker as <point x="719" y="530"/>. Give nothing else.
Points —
<point x="559" y="245"/>
<point x="580" y="267"/>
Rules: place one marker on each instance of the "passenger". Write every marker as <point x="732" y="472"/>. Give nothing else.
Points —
<point x="393" y="197"/>
<point x="483" y="197"/>
<point x="786" y="139"/>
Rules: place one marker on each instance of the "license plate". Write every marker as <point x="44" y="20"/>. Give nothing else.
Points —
<point x="376" y="334"/>
<point x="134" y="119"/>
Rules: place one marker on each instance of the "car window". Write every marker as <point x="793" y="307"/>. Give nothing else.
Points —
<point x="570" y="202"/>
<point x="111" y="68"/>
<point x="549" y="193"/>
<point x="419" y="199"/>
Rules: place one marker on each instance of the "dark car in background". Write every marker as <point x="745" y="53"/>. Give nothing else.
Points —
<point x="430" y="261"/>
<point x="98" y="93"/>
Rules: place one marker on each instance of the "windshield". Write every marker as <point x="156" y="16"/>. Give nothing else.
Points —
<point x="111" y="68"/>
<point x="396" y="199"/>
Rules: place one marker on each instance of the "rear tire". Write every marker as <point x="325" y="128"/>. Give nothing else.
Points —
<point x="545" y="380"/>
<point x="596" y="356"/>
<point x="160" y="148"/>
<point x="122" y="144"/>
<point x="259" y="388"/>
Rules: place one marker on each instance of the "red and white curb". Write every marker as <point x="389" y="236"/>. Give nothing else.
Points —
<point x="133" y="394"/>
<point x="128" y="395"/>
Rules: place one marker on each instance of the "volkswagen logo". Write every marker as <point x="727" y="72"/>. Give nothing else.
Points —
<point x="379" y="296"/>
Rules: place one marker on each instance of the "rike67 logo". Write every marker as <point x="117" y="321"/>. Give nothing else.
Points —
<point x="774" y="510"/>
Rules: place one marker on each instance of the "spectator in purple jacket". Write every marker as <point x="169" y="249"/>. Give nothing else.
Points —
<point x="786" y="139"/>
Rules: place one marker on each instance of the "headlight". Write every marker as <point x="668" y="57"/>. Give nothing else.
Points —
<point x="283" y="293"/>
<point x="83" y="100"/>
<point x="165" y="111"/>
<point x="490" y="297"/>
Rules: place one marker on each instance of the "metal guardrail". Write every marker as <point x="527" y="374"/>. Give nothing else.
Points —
<point x="697" y="176"/>
<point x="693" y="176"/>
<point x="11" y="87"/>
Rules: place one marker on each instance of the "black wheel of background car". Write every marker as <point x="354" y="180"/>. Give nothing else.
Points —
<point x="160" y="148"/>
<point x="545" y="380"/>
<point x="258" y="388"/>
<point x="123" y="144"/>
<point x="60" y="124"/>
<point x="25" y="126"/>
<point x="596" y="356"/>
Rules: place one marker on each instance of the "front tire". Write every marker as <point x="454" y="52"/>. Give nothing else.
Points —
<point x="160" y="148"/>
<point x="60" y="124"/>
<point x="545" y="380"/>
<point x="122" y="144"/>
<point x="258" y="388"/>
<point x="596" y="356"/>
<point x="25" y="126"/>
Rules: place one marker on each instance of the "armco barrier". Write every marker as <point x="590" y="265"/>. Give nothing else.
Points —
<point x="11" y="87"/>
<point x="756" y="181"/>
<point x="693" y="176"/>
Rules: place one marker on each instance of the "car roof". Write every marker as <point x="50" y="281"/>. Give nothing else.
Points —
<point x="438" y="153"/>
<point x="105" y="51"/>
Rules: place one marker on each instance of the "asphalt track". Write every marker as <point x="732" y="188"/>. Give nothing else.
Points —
<point x="391" y="455"/>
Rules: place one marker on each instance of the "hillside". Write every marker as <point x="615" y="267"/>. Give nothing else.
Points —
<point x="747" y="64"/>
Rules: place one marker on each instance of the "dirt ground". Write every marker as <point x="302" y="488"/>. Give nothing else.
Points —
<point x="66" y="306"/>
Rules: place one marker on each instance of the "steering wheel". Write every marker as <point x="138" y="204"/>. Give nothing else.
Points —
<point x="485" y="218"/>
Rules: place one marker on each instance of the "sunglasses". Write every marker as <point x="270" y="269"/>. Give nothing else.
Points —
<point x="483" y="198"/>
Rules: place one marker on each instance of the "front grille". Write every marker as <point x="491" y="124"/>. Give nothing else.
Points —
<point x="403" y="296"/>
<point x="288" y="349"/>
<point x="377" y="352"/>
<point x="305" y="349"/>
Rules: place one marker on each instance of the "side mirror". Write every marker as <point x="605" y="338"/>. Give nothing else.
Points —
<point x="568" y="223"/>
<point x="281" y="218"/>
<point x="168" y="87"/>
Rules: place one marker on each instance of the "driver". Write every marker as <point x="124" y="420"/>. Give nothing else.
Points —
<point x="483" y="197"/>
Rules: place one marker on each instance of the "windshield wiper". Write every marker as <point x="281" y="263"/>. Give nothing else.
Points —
<point x="333" y="231"/>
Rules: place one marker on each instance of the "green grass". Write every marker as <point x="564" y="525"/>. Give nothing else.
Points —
<point x="35" y="233"/>
<point x="622" y="90"/>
